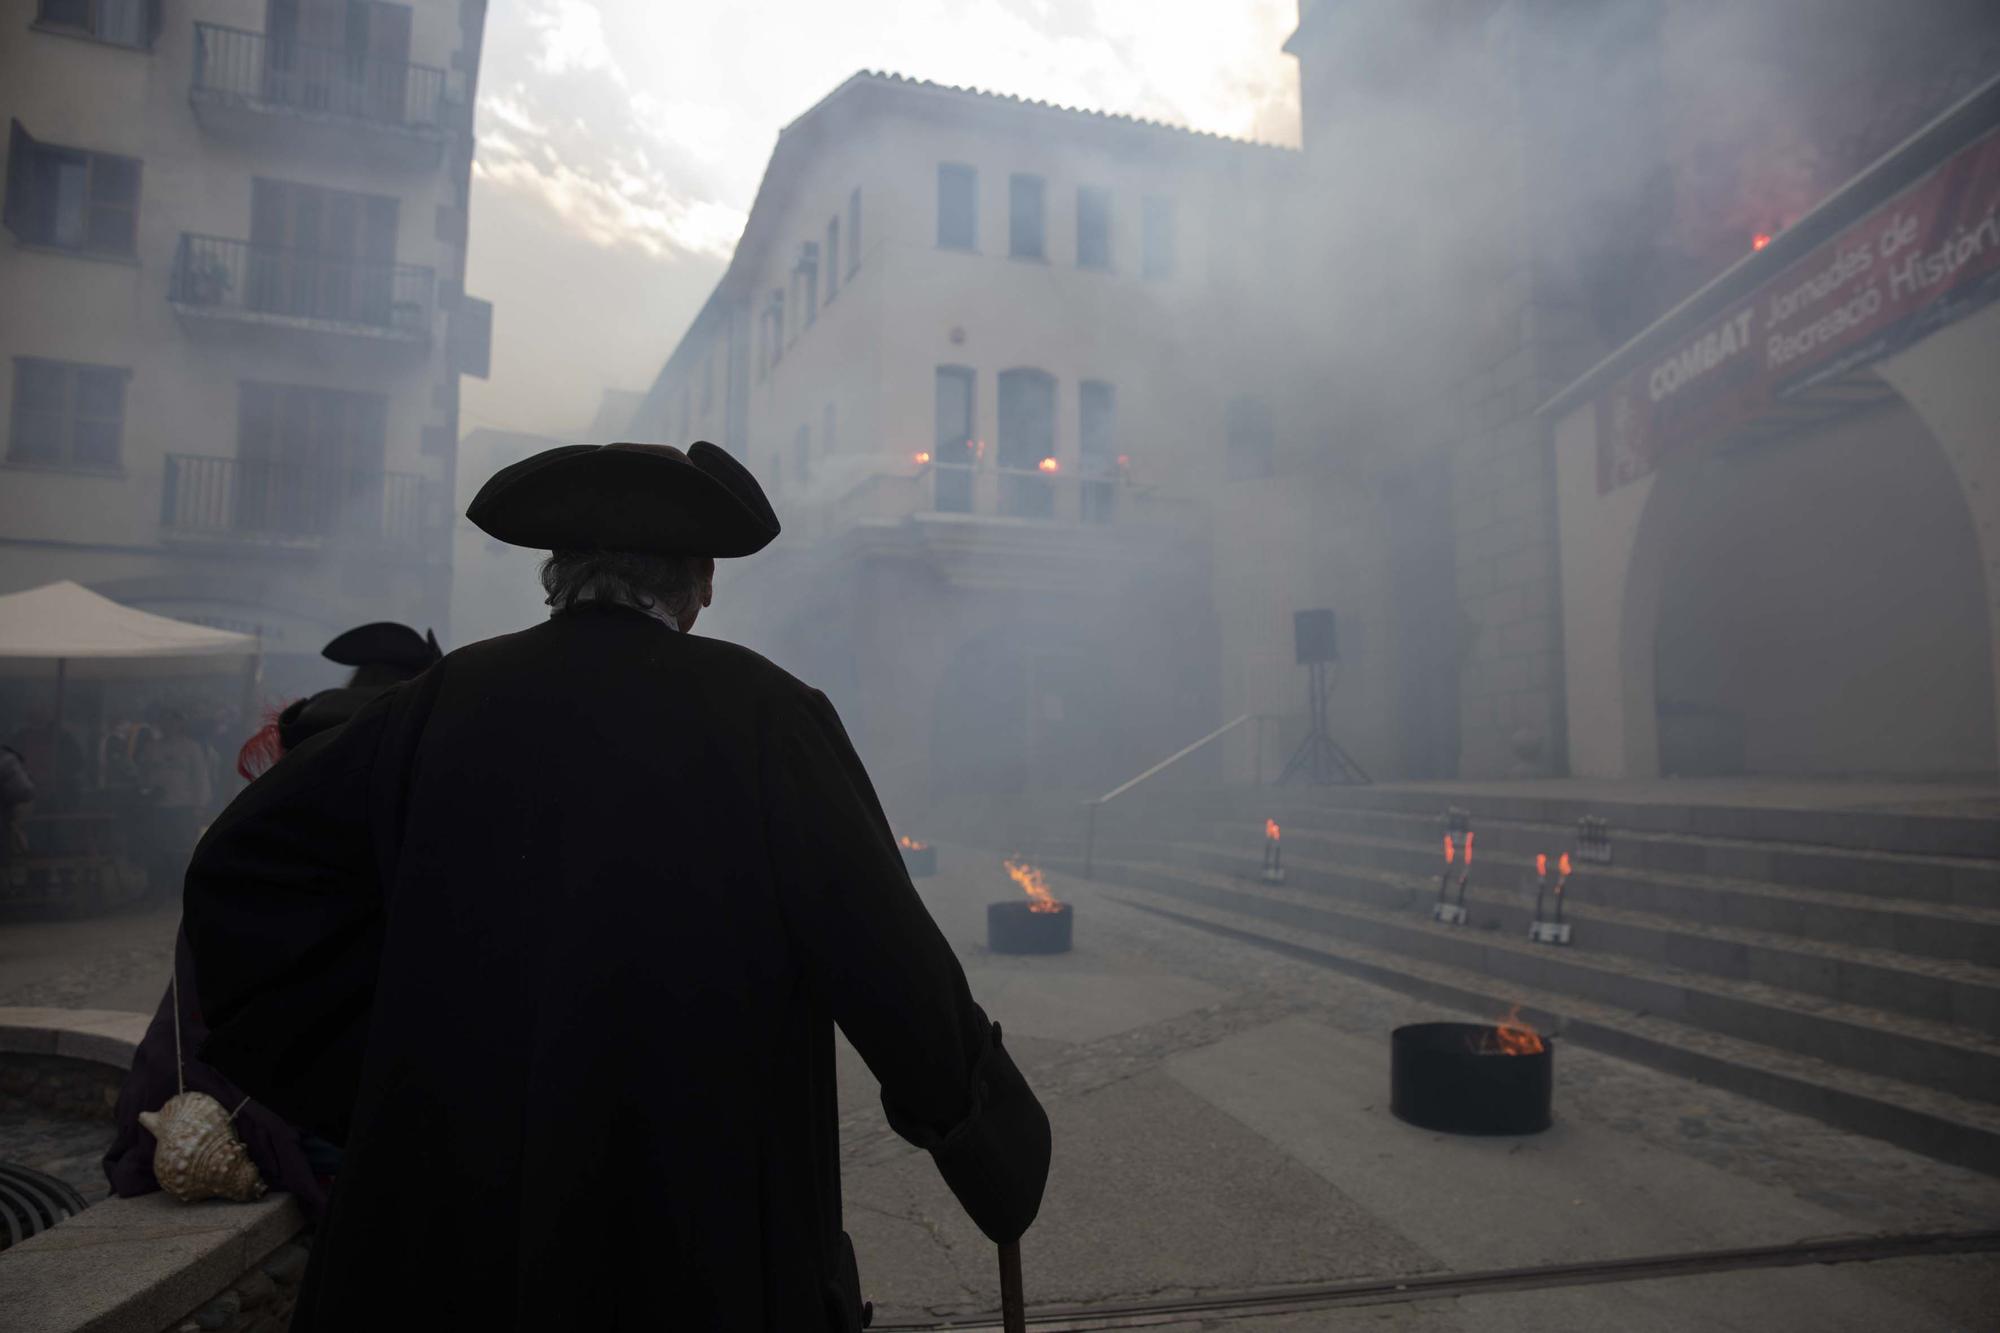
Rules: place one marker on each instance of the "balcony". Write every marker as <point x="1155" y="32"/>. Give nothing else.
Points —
<point x="981" y="526"/>
<point x="221" y="285"/>
<point x="268" y="503"/>
<point x="332" y="100"/>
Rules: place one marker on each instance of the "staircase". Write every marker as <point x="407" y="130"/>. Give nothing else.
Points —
<point x="1844" y="964"/>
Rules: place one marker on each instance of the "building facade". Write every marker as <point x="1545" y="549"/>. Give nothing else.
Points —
<point x="1551" y="193"/>
<point x="233" y="277"/>
<point x="981" y="353"/>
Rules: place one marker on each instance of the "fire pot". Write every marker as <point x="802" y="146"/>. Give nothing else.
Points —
<point x="1012" y="927"/>
<point x="1456" y="1077"/>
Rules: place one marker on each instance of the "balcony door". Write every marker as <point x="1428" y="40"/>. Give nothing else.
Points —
<point x="338" y="57"/>
<point x="322" y="254"/>
<point x="1027" y="441"/>
<point x="309" y="461"/>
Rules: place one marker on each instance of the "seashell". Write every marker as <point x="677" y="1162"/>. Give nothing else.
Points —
<point x="197" y="1155"/>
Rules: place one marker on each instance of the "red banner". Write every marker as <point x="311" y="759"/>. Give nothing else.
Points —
<point x="1927" y="257"/>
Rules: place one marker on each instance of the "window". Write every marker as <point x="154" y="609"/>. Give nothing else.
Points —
<point x="807" y="274"/>
<point x="802" y="455"/>
<point x="323" y="254"/>
<point x="953" y="452"/>
<point x="1097" y="448"/>
<point x="826" y="431"/>
<point x="120" y="22"/>
<point x="853" y="231"/>
<point x="1093" y="227"/>
<point x="67" y="415"/>
<point x="309" y="461"/>
<point x="1024" y="218"/>
<point x="70" y="198"/>
<point x="1159" y="237"/>
<point x="1027" y="442"/>
<point x="957" y="207"/>
<point x="832" y="259"/>
<point x="1251" y="443"/>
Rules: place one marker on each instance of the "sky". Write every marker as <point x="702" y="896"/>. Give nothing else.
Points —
<point x="621" y="142"/>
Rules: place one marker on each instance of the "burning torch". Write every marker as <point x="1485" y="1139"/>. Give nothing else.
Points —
<point x="1562" y="878"/>
<point x="1274" y="870"/>
<point x="1541" y="882"/>
<point x="1465" y="872"/>
<point x="1444" y="880"/>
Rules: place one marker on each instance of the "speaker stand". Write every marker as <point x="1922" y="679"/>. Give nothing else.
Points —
<point x="1320" y="758"/>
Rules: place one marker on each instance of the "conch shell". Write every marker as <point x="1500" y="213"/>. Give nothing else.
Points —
<point x="197" y="1154"/>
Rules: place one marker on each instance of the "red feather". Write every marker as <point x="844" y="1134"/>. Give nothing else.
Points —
<point x="263" y="749"/>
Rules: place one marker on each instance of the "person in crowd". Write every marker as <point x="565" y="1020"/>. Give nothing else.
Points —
<point x="53" y="755"/>
<point x="553" y="939"/>
<point x="17" y="793"/>
<point x="286" y="1156"/>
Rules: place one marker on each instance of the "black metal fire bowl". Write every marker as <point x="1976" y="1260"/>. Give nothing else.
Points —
<point x="920" y="861"/>
<point x="1454" y="1077"/>
<point x="1012" y="928"/>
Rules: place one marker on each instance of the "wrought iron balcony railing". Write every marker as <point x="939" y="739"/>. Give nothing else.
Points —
<point x="251" y="499"/>
<point x="214" y="274"/>
<point x="234" y="66"/>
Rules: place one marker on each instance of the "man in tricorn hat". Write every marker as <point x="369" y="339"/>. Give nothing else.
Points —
<point x="553" y="939"/>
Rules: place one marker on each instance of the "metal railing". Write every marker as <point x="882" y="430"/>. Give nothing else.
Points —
<point x="1090" y="828"/>
<point x="256" y="499"/>
<point x="1024" y="493"/>
<point x="220" y="274"/>
<point x="250" y="69"/>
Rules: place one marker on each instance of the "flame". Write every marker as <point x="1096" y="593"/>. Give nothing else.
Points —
<point x="1468" y="848"/>
<point x="1513" y="1037"/>
<point x="1760" y="240"/>
<point x="1541" y="865"/>
<point x="1271" y="829"/>
<point x="922" y="455"/>
<point x="1124" y="460"/>
<point x="1048" y="465"/>
<point x="1450" y="850"/>
<point x="1030" y="880"/>
<point x="1563" y="865"/>
<point x="911" y="843"/>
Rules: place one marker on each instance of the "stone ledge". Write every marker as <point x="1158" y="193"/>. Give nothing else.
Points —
<point x="103" y="1036"/>
<point x="138" y="1265"/>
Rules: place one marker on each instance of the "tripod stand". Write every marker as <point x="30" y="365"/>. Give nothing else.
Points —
<point x="1319" y="756"/>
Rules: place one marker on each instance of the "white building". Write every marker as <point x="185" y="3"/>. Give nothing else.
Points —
<point x="234" y="313"/>
<point x="982" y="352"/>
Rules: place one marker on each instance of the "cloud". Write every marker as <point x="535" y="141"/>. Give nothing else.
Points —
<point x="572" y="37"/>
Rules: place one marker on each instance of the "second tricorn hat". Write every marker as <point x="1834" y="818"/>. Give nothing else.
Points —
<point x="384" y="643"/>
<point x="627" y="497"/>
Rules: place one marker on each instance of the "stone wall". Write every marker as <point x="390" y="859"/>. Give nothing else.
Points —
<point x="59" y="1085"/>
<point x="261" y="1301"/>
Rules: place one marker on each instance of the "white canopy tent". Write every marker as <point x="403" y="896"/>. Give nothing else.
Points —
<point x="78" y="632"/>
<point x="66" y="621"/>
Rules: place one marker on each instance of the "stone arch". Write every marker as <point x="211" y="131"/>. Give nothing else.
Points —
<point x="1814" y="605"/>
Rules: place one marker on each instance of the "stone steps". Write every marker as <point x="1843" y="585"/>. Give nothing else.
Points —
<point x="1942" y="1056"/>
<point x="1923" y="1119"/>
<point x="1952" y="992"/>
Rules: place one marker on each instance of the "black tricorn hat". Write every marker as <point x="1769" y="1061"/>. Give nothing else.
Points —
<point x="627" y="497"/>
<point x="384" y="643"/>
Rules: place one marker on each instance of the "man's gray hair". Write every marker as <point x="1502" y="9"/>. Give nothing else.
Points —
<point x="670" y="582"/>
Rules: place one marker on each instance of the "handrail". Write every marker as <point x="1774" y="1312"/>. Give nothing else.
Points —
<point x="1090" y="832"/>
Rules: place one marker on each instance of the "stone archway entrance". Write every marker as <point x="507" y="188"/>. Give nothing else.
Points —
<point x="1818" y="608"/>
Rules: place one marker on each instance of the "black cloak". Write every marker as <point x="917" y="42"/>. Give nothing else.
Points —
<point x="552" y="938"/>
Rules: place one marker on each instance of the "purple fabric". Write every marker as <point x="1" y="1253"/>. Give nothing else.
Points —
<point x="273" y="1144"/>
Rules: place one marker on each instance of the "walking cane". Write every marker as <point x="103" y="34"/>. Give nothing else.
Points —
<point x="1013" y="1313"/>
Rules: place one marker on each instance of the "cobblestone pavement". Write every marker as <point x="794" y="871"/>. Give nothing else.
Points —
<point x="70" y="1148"/>
<point x="121" y="960"/>
<point x="1174" y="1176"/>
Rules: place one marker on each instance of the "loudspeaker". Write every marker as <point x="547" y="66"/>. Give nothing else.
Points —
<point x="1312" y="636"/>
